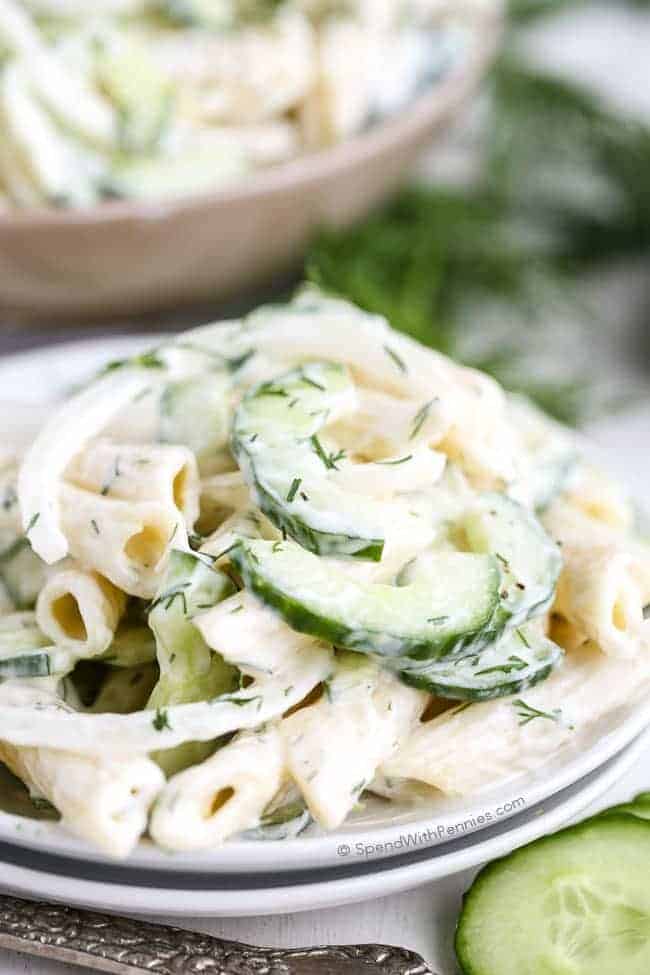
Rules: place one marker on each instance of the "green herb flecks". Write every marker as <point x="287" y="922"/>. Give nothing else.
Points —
<point x="421" y="417"/>
<point x="397" y="359"/>
<point x="526" y="713"/>
<point x="513" y="664"/>
<point x="293" y="490"/>
<point x="394" y="463"/>
<point x="329" y="460"/>
<point x="161" y="720"/>
<point x="112" y="477"/>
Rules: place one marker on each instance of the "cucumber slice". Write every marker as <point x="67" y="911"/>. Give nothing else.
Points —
<point x="514" y="663"/>
<point x="189" y="670"/>
<point x="170" y="177"/>
<point x="425" y="620"/>
<point x="530" y="559"/>
<point x="25" y="651"/>
<point x="576" y="902"/>
<point x="283" y="819"/>
<point x="22" y="573"/>
<point x="45" y="662"/>
<point x="276" y="442"/>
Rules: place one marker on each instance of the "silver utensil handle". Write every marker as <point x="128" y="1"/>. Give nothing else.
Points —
<point x="123" y="946"/>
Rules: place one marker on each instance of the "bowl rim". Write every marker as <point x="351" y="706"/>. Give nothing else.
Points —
<point x="427" y="109"/>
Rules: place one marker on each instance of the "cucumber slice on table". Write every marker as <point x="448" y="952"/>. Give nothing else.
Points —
<point x="425" y="620"/>
<point x="517" y="661"/>
<point x="530" y="559"/>
<point x="574" y="903"/>
<point x="639" y="807"/>
<point x="276" y="442"/>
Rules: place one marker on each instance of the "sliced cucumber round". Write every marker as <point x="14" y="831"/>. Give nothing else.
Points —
<point x="447" y="614"/>
<point x="530" y="559"/>
<point x="575" y="902"/>
<point x="520" y="659"/>
<point x="276" y="442"/>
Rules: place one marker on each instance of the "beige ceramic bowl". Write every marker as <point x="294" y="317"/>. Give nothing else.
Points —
<point x="135" y="257"/>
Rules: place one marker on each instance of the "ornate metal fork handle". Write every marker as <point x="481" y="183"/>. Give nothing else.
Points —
<point x="123" y="946"/>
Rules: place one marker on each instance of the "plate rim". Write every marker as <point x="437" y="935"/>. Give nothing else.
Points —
<point x="323" y="893"/>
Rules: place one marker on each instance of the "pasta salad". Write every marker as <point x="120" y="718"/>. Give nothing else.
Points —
<point x="158" y="98"/>
<point x="280" y="563"/>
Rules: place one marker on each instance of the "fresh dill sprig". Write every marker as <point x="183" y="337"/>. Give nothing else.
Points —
<point x="527" y="713"/>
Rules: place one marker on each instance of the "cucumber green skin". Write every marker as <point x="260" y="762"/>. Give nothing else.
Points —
<point x="424" y="682"/>
<point x="473" y="927"/>
<point x="516" y="662"/>
<point x="337" y="632"/>
<point x="518" y="606"/>
<point x="278" y="509"/>
<point x="319" y="542"/>
<point x="35" y="664"/>
<point x="639" y="807"/>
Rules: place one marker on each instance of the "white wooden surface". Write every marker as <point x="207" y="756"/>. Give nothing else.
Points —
<point x="611" y="49"/>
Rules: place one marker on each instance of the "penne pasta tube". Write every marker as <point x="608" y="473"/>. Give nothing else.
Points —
<point x="335" y="745"/>
<point x="201" y="807"/>
<point x="165" y="474"/>
<point x="126" y="541"/>
<point x="80" y="610"/>
<point x="605" y="581"/>
<point x="103" y="800"/>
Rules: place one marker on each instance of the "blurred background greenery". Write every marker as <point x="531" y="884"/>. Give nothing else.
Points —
<point x="493" y="270"/>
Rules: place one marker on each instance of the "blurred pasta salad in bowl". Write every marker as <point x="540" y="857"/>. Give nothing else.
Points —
<point x="152" y="99"/>
<point x="225" y="113"/>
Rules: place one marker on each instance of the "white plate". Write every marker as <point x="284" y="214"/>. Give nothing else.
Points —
<point x="35" y="379"/>
<point x="362" y="878"/>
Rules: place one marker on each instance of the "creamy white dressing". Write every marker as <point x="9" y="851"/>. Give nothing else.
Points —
<point x="422" y="438"/>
